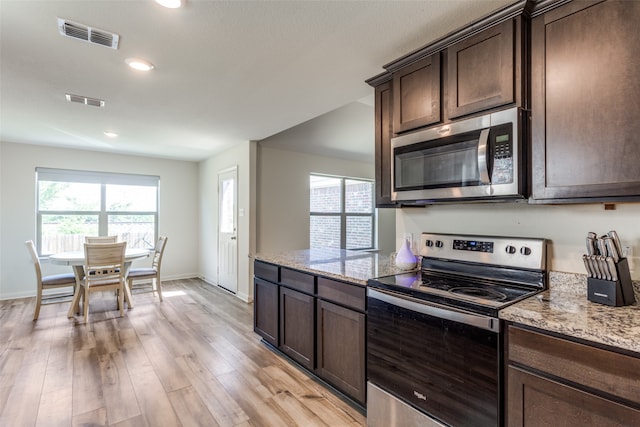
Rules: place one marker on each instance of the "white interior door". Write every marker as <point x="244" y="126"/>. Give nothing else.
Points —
<point x="227" y="229"/>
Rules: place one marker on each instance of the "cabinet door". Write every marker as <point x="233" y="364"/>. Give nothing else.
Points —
<point x="585" y="86"/>
<point x="416" y="94"/>
<point x="384" y="132"/>
<point x="265" y="310"/>
<point x="341" y="348"/>
<point x="534" y="401"/>
<point x="297" y="326"/>
<point x="481" y="71"/>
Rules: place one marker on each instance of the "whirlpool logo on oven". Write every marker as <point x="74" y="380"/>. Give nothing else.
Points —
<point x="419" y="395"/>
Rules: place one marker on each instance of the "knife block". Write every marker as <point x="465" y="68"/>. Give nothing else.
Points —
<point x="615" y="293"/>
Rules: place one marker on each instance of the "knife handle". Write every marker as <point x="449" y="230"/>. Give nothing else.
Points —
<point x="612" y="251"/>
<point x="612" y="268"/>
<point x="616" y="241"/>
<point x="587" y="265"/>
<point x="591" y="246"/>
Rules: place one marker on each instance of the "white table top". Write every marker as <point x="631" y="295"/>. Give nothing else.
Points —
<point x="77" y="257"/>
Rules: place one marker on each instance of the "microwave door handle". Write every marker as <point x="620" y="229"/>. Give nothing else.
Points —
<point x="483" y="166"/>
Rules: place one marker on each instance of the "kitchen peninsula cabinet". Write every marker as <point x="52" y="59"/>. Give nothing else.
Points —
<point x="297" y="316"/>
<point x="341" y="336"/>
<point x="554" y="381"/>
<point x="585" y="109"/>
<point x="316" y="321"/>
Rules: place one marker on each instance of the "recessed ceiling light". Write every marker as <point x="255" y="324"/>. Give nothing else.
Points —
<point x="171" y="4"/>
<point x="139" y="64"/>
<point x="111" y="134"/>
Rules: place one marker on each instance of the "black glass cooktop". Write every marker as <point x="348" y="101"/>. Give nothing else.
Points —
<point x="480" y="295"/>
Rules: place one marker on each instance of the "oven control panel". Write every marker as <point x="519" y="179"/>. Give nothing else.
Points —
<point x="518" y="252"/>
<point x="472" y="245"/>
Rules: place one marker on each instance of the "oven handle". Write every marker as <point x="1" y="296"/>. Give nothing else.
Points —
<point x="436" y="310"/>
<point x="483" y="167"/>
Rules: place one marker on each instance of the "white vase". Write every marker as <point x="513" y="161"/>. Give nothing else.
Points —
<point x="405" y="259"/>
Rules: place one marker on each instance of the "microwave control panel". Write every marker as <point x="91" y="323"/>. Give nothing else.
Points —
<point x="501" y="139"/>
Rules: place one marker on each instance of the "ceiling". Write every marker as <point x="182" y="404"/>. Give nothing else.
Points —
<point x="226" y="71"/>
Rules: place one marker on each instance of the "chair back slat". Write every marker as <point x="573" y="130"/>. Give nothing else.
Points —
<point x="159" y="251"/>
<point x="31" y="247"/>
<point x="100" y="239"/>
<point x="104" y="261"/>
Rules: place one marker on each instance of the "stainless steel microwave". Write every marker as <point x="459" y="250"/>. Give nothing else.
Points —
<point x="480" y="158"/>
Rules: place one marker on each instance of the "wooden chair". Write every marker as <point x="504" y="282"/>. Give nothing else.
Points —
<point x="101" y="239"/>
<point x="47" y="282"/>
<point x="151" y="273"/>
<point x="103" y="270"/>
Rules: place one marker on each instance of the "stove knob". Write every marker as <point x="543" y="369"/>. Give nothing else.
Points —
<point x="429" y="243"/>
<point x="525" y="251"/>
<point x="439" y="244"/>
<point x="510" y="249"/>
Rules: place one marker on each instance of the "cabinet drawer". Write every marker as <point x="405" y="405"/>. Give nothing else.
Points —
<point x="613" y="373"/>
<point x="343" y="293"/>
<point x="297" y="280"/>
<point x="265" y="271"/>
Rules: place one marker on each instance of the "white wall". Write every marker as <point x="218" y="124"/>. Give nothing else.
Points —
<point x="244" y="157"/>
<point x="566" y="226"/>
<point x="178" y="215"/>
<point x="283" y="196"/>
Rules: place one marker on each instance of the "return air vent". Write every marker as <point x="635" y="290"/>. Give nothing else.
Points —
<point x="88" y="34"/>
<point x="85" y="100"/>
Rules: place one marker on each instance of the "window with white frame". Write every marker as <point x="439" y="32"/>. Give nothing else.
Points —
<point x="73" y="204"/>
<point x="342" y="212"/>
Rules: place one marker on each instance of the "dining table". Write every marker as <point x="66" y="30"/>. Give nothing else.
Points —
<point x="76" y="260"/>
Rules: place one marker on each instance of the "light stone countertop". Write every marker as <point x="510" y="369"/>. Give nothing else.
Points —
<point x="565" y="309"/>
<point x="350" y="266"/>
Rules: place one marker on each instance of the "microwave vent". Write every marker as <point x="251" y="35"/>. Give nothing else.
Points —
<point x="88" y="34"/>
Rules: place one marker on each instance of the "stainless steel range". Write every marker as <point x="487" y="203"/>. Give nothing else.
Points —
<point x="434" y="340"/>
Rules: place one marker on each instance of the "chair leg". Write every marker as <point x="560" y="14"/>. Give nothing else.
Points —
<point x="128" y="288"/>
<point x="85" y="305"/>
<point x="121" y="299"/>
<point x="158" y="287"/>
<point x="75" y="303"/>
<point x="38" y="304"/>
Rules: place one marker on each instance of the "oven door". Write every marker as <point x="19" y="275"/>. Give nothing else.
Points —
<point x="442" y="361"/>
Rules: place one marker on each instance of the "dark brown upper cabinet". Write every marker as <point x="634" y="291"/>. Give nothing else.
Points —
<point x="481" y="71"/>
<point x="585" y="102"/>
<point x="416" y="94"/>
<point x="384" y="132"/>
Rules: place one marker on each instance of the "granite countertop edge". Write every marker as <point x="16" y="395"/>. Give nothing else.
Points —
<point x="346" y="265"/>
<point x="565" y="309"/>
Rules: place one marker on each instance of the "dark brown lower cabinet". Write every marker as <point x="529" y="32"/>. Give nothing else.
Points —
<point x="536" y="401"/>
<point x="265" y="310"/>
<point x="341" y="348"/>
<point x="553" y="381"/>
<point x="297" y="315"/>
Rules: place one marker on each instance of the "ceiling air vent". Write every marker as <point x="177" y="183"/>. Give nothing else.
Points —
<point x="85" y="100"/>
<point x="88" y="34"/>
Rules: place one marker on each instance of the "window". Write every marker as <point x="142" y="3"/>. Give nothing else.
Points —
<point x="342" y="213"/>
<point x="74" y="204"/>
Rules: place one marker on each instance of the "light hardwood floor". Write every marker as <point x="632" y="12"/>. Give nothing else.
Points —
<point x="190" y="360"/>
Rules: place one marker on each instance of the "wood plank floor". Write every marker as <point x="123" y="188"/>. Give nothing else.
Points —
<point x="192" y="360"/>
